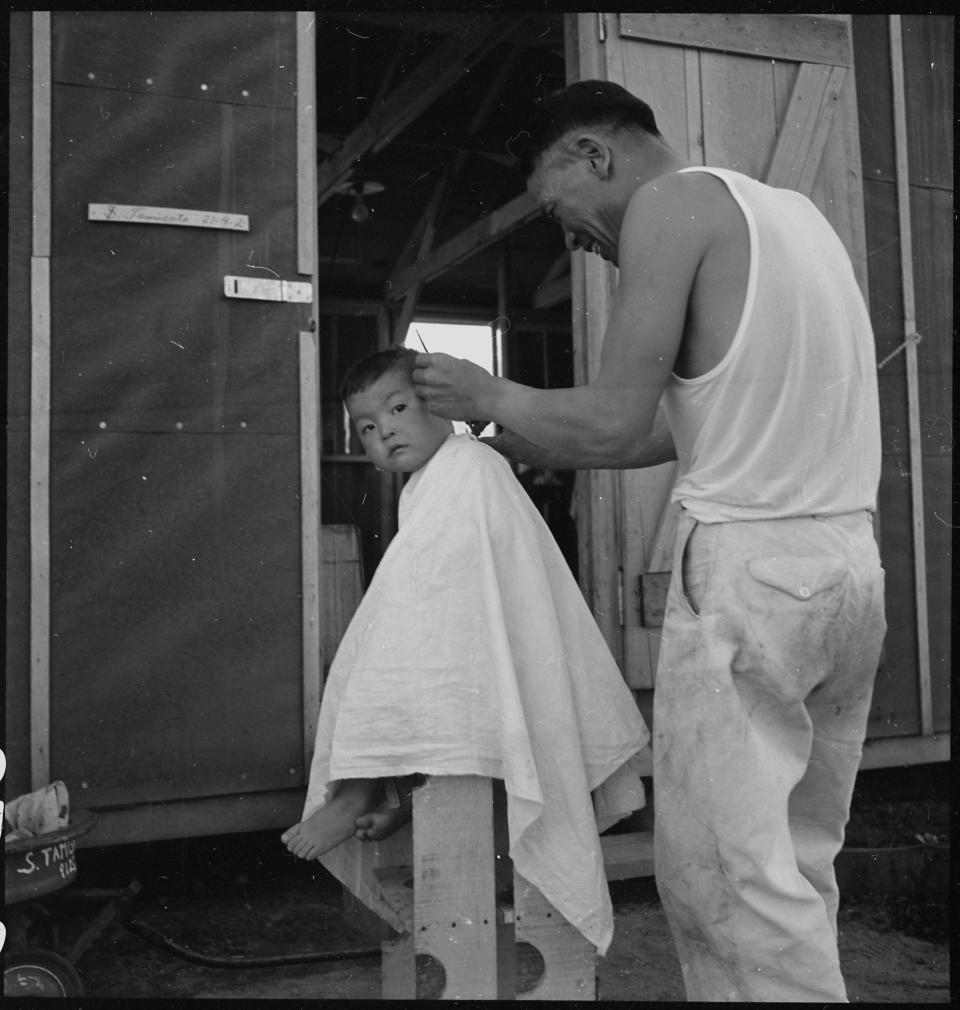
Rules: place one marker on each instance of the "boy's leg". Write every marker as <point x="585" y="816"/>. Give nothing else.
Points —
<point x="732" y="741"/>
<point x="332" y="823"/>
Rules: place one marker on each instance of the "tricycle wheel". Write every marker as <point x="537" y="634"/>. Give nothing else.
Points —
<point x="39" y="972"/>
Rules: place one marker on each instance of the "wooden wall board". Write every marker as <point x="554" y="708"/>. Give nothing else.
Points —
<point x="176" y="53"/>
<point x="739" y="126"/>
<point x="176" y="615"/>
<point x="314" y="651"/>
<point x="811" y="38"/>
<point x="159" y="151"/>
<point x="191" y="818"/>
<point x="886" y="311"/>
<point x="928" y="50"/>
<point x="662" y="81"/>
<point x="939" y="521"/>
<point x="837" y="187"/>
<point x="933" y="253"/>
<point x="18" y="242"/>
<point x="875" y="103"/>
<point x="306" y="105"/>
<point x="40" y="397"/>
<point x="16" y="701"/>
<point x="895" y="709"/>
<point x="175" y="340"/>
<point x="18" y="40"/>
<point x="16" y="711"/>
<point x="804" y="123"/>
<point x="41" y="134"/>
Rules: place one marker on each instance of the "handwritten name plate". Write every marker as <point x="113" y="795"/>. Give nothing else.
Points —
<point x="167" y="215"/>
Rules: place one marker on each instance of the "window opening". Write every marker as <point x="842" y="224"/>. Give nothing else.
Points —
<point x="477" y="342"/>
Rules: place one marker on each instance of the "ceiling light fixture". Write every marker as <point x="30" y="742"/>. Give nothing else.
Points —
<point x="360" y="212"/>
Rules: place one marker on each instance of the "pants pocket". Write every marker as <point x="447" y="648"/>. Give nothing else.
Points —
<point x="800" y="577"/>
<point x="690" y="571"/>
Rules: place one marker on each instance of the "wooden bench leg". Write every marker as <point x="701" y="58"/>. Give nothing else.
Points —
<point x="451" y="948"/>
<point x="554" y="960"/>
<point x="456" y="945"/>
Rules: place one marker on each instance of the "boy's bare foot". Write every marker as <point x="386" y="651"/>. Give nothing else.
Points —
<point x="332" y="823"/>
<point x="383" y="820"/>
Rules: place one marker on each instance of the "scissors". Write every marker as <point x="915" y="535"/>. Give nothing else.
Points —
<point x="475" y="426"/>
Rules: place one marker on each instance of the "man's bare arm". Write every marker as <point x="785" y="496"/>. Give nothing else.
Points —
<point x="612" y="419"/>
<point x="658" y="448"/>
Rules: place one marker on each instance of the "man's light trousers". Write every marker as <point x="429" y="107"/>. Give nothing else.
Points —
<point x="771" y="641"/>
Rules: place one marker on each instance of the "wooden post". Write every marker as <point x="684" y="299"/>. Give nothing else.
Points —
<point x="450" y="948"/>
<point x="454" y="894"/>
<point x="313" y="658"/>
<point x="554" y="960"/>
<point x="313" y="631"/>
<point x="40" y="406"/>
<point x="307" y="145"/>
<point x="458" y="942"/>
<point x="913" y="390"/>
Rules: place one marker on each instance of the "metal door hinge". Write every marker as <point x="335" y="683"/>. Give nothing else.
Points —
<point x="602" y="26"/>
<point x="266" y="289"/>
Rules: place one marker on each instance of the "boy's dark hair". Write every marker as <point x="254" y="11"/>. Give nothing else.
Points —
<point x="583" y="103"/>
<point x="365" y="372"/>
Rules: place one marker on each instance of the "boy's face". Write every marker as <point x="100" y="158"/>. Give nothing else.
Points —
<point x="396" y="430"/>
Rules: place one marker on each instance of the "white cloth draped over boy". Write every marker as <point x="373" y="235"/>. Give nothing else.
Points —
<point x="473" y="652"/>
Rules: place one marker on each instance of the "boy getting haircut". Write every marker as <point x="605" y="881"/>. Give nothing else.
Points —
<point x="471" y="653"/>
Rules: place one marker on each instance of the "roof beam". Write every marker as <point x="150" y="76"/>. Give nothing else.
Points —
<point x="502" y="222"/>
<point x="433" y="78"/>
<point x="552" y="293"/>
<point x="555" y="286"/>
<point x="426" y="228"/>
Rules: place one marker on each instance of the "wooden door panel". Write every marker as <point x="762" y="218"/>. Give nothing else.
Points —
<point x="176" y="668"/>
<point x="668" y="79"/>
<point x="824" y="38"/>
<point x="739" y="112"/>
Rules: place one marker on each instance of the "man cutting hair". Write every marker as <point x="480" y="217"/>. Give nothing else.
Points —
<point x="739" y="344"/>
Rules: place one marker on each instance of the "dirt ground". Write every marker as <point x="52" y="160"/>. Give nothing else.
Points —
<point x="244" y="895"/>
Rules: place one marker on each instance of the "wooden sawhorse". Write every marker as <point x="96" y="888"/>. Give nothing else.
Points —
<point x="460" y="942"/>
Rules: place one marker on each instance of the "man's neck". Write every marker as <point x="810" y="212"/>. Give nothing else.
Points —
<point x="657" y="159"/>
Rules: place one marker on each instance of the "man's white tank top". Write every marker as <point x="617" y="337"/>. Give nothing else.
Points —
<point x="788" y="423"/>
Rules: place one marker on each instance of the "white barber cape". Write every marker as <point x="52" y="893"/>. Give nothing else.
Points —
<point x="473" y="653"/>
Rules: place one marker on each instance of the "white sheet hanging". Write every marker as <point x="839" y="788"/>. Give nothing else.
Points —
<point x="473" y="653"/>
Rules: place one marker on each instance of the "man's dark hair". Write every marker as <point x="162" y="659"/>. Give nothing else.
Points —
<point x="364" y="373"/>
<point x="584" y="103"/>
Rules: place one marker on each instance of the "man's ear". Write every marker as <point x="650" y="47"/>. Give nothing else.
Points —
<point x="593" y="149"/>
